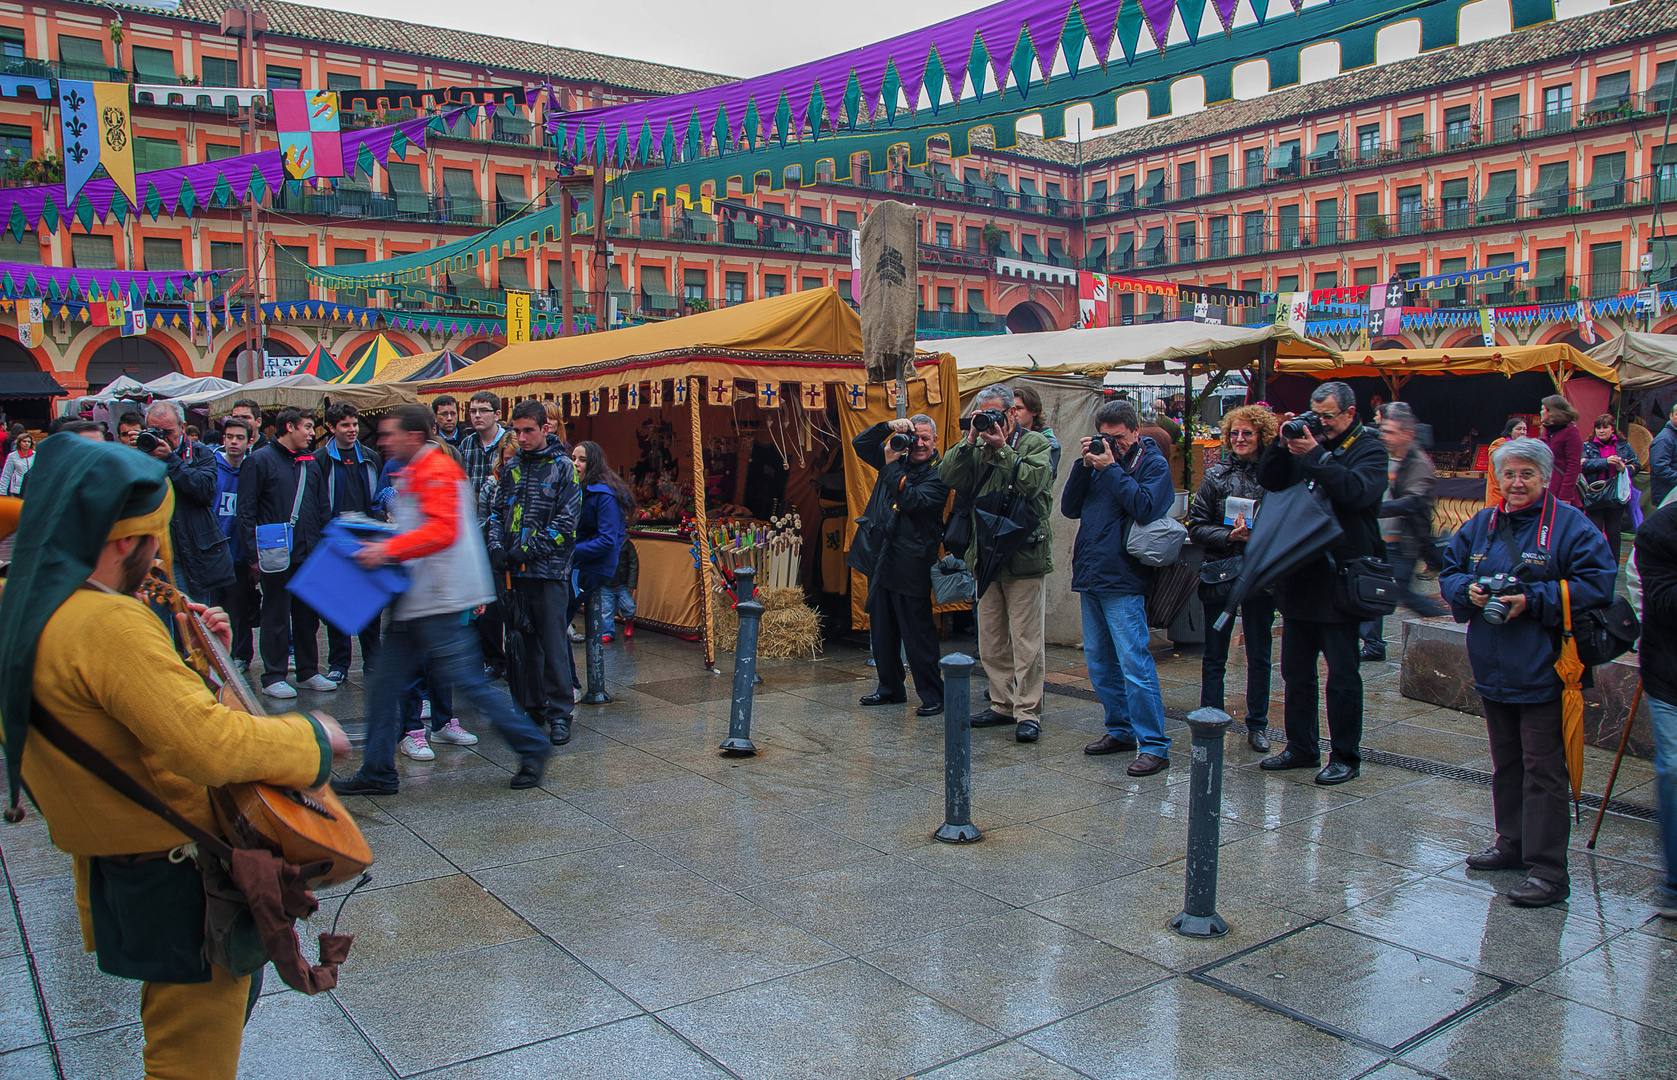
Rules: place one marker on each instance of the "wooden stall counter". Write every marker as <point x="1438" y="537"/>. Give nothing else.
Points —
<point x="667" y="598"/>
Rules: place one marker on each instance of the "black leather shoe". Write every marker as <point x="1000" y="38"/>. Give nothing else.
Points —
<point x="1535" y="892"/>
<point x="929" y="710"/>
<point x="1286" y="759"/>
<point x="1147" y="765"/>
<point x="1337" y="772"/>
<point x="991" y="718"/>
<point x="1106" y="744"/>
<point x="1371" y="655"/>
<point x="560" y="733"/>
<point x="1028" y="731"/>
<point x="1258" y="739"/>
<point x="529" y="773"/>
<point x="876" y="698"/>
<point x="1495" y="858"/>
<point x="360" y="785"/>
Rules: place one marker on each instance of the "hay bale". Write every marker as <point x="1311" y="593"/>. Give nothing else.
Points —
<point x="789" y="630"/>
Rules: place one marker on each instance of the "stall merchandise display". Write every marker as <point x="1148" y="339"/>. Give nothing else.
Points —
<point x="789" y="630"/>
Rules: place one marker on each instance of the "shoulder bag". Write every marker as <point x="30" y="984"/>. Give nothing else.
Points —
<point x="1602" y="634"/>
<point x="274" y="542"/>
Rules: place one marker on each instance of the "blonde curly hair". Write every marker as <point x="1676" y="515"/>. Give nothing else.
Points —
<point x="1262" y="419"/>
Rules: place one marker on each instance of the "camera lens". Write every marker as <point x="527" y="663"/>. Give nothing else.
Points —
<point x="982" y="421"/>
<point x="899" y="442"/>
<point x="1496" y="611"/>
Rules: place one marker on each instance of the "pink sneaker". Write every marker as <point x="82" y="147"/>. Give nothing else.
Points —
<point x="453" y="734"/>
<point x="413" y="744"/>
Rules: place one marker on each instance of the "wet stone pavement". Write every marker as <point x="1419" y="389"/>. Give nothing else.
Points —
<point x="655" y="911"/>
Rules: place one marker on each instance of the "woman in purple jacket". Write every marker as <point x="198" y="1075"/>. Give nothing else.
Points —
<point x="1566" y="443"/>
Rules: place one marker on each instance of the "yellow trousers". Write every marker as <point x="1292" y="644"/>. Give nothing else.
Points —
<point x="194" y="1030"/>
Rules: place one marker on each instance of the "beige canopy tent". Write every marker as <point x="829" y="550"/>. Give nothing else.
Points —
<point x="1398" y="366"/>
<point x="311" y="394"/>
<point x="1643" y="361"/>
<point x="1197" y="347"/>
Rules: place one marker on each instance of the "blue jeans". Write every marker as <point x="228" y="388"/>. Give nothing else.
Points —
<point x="1115" y="646"/>
<point x="420" y="691"/>
<point x="1664" y="724"/>
<point x="618" y="598"/>
<point x="455" y="659"/>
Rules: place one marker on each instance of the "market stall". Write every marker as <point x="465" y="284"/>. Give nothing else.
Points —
<point x="303" y="392"/>
<point x="753" y="406"/>
<point x="27" y="396"/>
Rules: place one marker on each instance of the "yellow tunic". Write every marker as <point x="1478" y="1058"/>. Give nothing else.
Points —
<point x="107" y="669"/>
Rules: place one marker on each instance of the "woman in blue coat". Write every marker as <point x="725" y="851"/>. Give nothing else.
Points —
<point x="1502" y="576"/>
<point x="601" y="527"/>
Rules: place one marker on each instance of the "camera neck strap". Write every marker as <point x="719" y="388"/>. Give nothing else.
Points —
<point x="1502" y="525"/>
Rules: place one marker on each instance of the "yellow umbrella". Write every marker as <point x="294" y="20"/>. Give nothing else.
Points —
<point x="1571" y="671"/>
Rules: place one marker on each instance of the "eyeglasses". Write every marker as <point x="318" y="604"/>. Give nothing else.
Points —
<point x="1240" y="436"/>
<point x="482" y="409"/>
<point x="1327" y="415"/>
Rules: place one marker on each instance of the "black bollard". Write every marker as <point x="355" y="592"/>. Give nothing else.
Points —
<point x="596" y="692"/>
<point x="1199" y="916"/>
<point x="745" y="588"/>
<point x="957" y="751"/>
<point x="739" y="741"/>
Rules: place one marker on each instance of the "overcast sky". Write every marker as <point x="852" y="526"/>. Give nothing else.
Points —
<point x="750" y="37"/>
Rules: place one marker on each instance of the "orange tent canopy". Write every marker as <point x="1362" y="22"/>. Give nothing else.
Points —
<point x="1559" y="359"/>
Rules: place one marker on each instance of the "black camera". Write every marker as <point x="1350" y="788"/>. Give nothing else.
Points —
<point x="1309" y="422"/>
<point x="1103" y="444"/>
<point x="1501" y="587"/>
<point x="900" y="442"/>
<point x="989" y="418"/>
<point x="149" y="440"/>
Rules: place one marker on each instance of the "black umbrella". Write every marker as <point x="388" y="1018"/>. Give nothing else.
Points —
<point x="1007" y="528"/>
<point x="1294" y="526"/>
<point x="524" y="650"/>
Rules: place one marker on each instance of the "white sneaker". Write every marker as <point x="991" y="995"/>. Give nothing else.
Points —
<point x="454" y="734"/>
<point x="281" y="689"/>
<point x="243" y="666"/>
<point x="425" y="709"/>
<point x="317" y="682"/>
<point x="413" y="744"/>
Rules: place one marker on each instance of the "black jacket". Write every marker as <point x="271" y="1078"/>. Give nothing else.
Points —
<point x="267" y="488"/>
<point x="908" y="501"/>
<point x="1594" y="468"/>
<point x="1656" y="562"/>
<point x="1351" y="470"/>
<point x="350" y="485"/>
<point x="534" y="513"/>
<point x="202" y="562"/>
<point x="1411" y="499"/>
<point x="1230" y="478"/>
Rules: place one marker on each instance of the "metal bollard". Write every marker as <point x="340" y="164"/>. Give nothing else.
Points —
<point x="1199" y="916"/>
<point x="745" y="588"/>
<point x="957" y="751"/>
<point x="745" y="669"/>
<point x="596" y="692"/>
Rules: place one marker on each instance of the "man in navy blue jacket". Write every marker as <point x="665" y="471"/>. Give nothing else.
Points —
<point x="1513" y="645"/>
<point x="243" y="601"/>
<point x="1124" y="481"/>
<point x="350" y="473"/>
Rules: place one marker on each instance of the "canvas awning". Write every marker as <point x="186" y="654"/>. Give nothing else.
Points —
<point x="1643" y="361"/>
<point x="1097" y="351"/>
<point x="308" y="393"/>
<point x="800" y="337"/>
<point x="1560" y="360"/>
<point x="29" y="384"/>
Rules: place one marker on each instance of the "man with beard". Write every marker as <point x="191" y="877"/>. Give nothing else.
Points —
<point x="532" y="530"/>
<point x="81" y="659"/>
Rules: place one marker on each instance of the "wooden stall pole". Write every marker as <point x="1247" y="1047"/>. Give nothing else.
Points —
<point x="701" y="523"/>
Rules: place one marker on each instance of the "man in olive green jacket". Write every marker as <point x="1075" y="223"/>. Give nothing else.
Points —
<point x="1011" y="611"/>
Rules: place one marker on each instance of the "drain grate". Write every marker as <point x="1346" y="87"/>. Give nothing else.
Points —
<point x="1401" y="761"/>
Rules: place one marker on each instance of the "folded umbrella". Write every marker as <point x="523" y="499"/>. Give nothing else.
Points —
<point x="1294" y="526"/>
<point x="1006" y="534"/>
<point x="524" y="650"/>
<point x="1571" y="670"/>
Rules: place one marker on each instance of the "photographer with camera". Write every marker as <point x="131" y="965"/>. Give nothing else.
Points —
<point x="1329" y="447"/>
<point x="1121" y="480"/>
<point x="905" y="514"/>
<point x="203" y="562"/>
<point x="1502" y="577"/>
<point x="996" y="456"/>
<point x="1405" y="520"/>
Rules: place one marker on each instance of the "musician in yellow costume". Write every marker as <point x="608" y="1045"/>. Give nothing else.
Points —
<point x="76" y="645"/>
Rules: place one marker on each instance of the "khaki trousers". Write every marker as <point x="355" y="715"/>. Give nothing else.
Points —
<point x="194" y="1030"/>
<point x="1010" y="642"/>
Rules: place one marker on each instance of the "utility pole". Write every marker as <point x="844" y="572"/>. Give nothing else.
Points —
<point x="246" y="23"/>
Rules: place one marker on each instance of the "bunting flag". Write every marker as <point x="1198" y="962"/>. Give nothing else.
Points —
<point x="593" y="402"/>
<point x="813" y="395"/>
<point x="1094" y="307"/>
<point x="96" y="131"/>
<point x="1385" y="308"/>
<point x="1292" y="310"/>
<point x="1486" y="329"/>
<point x="1586" y="323"/>
<point x="856" y="394"/>
<point x="768" y="394"/>
<point x="1500" y="272"/>
<point x="657" y="393"/>
<point x="720" y="392"/>
<point x="1217" y="296"/>
<point x="99" y="311"/>
<point x="680" y="388"/>
<point x="134" y="319"/>
<point x="575" y="404"/>
<point x="31" y="329"/>
<point x="308" y="133"/>
<point x="632" y="396"/>
<point x="1117" y="283"/>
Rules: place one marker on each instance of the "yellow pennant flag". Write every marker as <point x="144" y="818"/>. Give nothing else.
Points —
<point x="116" y="136"/>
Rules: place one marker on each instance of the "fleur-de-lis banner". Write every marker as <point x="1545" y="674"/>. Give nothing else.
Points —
<point x="93" y="118"/>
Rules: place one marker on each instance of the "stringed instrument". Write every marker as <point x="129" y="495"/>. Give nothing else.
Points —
<point x="302" y="826"/>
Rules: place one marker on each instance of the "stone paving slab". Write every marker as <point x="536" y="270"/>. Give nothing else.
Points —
<point x="657" y="911"/>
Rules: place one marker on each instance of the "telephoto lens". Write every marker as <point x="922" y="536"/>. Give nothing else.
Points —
<point x="899" y="442"/>
<point x="987" y="419"/>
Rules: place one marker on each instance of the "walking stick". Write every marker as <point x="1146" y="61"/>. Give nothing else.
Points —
<point x="1624" y="741"/>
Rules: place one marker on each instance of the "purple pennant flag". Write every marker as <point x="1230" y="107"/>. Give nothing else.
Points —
<point x="1100" y="17"/>
<point x="1226" y="12"/>
<point x="1158" y="14"/>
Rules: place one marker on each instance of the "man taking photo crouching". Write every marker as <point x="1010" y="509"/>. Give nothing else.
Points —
<point x="997" y="454"/>
<point x="1333" y="451"/>
<point x="1122" y="480"/>
<point x="906" y="512"/>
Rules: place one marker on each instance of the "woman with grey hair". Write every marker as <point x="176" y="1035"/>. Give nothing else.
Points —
<point x="1502" y="576"/>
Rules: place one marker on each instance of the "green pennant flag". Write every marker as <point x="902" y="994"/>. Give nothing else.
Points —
<point x="892" y="86"/>
<point x="119" y="208"/>
<point x="978" y="65"/>
<point x="154" y="201"/>
<point x="1072" y="38"/>
<point x="1130" y="20"/>
<point x="84" y="212"/>
<point x="852" y="101"/>
<point x="1023" y="53"/>
<point x="223" y="193"/>
<point x="932" y="83"/>
<point x="188" y="199"/>
<point x="259" y="184"/>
